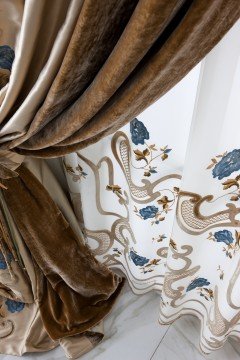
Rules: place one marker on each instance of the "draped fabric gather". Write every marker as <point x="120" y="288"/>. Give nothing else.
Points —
<point x="73" y="73"/>
<point x="163" y="208"/>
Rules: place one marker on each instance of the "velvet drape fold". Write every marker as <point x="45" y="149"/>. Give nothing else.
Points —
<point x="76" y="291"/>
<point x="82" y="69"/>
<point x="122" y="56"/>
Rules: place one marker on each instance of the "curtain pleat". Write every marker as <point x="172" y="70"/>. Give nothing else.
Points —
<point x="121" y="58"/>
<point x="159" y="199"/>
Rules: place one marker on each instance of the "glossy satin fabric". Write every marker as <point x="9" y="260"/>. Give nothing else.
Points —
<point x="49" y="38"/>
<point x="47" y="63"/>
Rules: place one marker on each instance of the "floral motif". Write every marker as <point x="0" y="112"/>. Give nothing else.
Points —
<point x="6" y="57"/>
<point x="149" y="267"/>
<point x="137" y="259"/>
<point x="139" y="134"/>
<point x="77" y="174"/>
<point x="144" y="263"/>
<point x="224" y="236"/>
<point x="206" y="293"/>
<point x="14" y="306"/>
<point x="200" y="284"/>
<point x="3" y="263"/>
<point x="160" y="238"/>
<point x="229" y="163"/>
<point x="152" y="211"/>
<point x="138" y="131"/>
<point x="230" y="183"/>
<point x="148" y="212"/>
<point x="196" y="283"/>
<point x="147" y="155"/>
<point x="164" y="201"/>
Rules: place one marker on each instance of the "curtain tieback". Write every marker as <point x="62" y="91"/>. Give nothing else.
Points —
<point x="9" y="162"/>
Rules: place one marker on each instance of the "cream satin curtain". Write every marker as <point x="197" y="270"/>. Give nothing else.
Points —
<point x="159" y="199"/>
<point x="37" y="58"/>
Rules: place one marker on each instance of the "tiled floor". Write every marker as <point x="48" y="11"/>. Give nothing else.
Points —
<point x="133" y="333"/>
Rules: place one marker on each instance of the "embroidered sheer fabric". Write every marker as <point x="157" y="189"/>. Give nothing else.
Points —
<point x="159" y="199"/>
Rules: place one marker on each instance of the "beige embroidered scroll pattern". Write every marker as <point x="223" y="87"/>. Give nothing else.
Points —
<point x="115" y="245"/>
<point x="218" y="306"/>
<point x="146" y="196"/>
<point x="191" y="219"/>
<point x="176" y="296"/>
<point x="122" y="153"/>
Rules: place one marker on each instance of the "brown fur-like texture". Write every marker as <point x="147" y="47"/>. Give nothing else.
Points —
<point x="74" y="290"/>
<point x="123" y="56"/>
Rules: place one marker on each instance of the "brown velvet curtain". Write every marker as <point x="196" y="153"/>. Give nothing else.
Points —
<point x="74" y="290"/>
<point x="122" y="56"/>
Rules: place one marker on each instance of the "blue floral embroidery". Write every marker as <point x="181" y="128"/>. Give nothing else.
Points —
<point x="137" y="259"/>
<point x="3" y="264"/>
<point x="6" y="57"/>
<point x="199" y="282"/>
<point x="224" y="236"/>
<point x="227" y="165"/>
<point x="148" y="212"/>
<point x="138" y="131"/>
<point x="14" y="306"/>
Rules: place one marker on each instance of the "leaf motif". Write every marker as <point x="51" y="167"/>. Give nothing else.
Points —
<point x="153" y="169"/>
<point x="146" y="152"/>
<point x="114" y="188"/>
<point x="234" y="198"/>
<point x="164" y="156"/>
<point x="69" y="168"/>
<point x="229" y="183"/>
<point x="138" y="152"/>
<point x="164" y="200"/>
<point x="173" y="244"/>
<point x="210" y="166"/>
<point x="139" y="155"/>
<point x="154" y="262"/>
<point x="209" y="236"/>
<point x="153" y="147"/>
